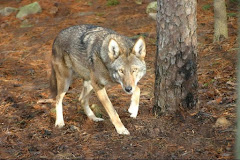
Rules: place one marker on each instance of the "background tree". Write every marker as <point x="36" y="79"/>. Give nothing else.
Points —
<point x="237" y="147"/>
<point x="220" y="20"/>
<point x="176" y="76"/>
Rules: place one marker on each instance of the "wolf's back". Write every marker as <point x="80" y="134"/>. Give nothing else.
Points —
<point x="80" y="39"/>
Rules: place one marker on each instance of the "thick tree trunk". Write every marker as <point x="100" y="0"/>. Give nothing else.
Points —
<point x="220" y="20"/>
<point x="175" y="67"/>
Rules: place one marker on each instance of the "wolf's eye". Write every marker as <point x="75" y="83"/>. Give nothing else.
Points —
<point x="120" y="71"/>
<point x="134" y="70"/>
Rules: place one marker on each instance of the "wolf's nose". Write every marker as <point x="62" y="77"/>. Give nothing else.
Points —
<point x="128" y="89"/>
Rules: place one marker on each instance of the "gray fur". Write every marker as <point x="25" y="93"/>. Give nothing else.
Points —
<point x="84" y="50"/>
<point x="76" y="47"/>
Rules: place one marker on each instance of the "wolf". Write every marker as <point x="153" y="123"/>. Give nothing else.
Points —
<point x="101" y="57"/>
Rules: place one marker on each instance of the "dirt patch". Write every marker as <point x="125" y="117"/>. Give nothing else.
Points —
<point x="27" y="128"/>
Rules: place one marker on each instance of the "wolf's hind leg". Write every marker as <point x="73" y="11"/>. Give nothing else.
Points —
<point x="84" y="99"/>
<point x="63" y="78"/>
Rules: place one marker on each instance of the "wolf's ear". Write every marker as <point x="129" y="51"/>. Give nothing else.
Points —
<point x="113" y="49"/>
<point x="139" y="48"/>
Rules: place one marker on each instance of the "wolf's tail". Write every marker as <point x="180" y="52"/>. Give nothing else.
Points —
<point x="53" y="83"/>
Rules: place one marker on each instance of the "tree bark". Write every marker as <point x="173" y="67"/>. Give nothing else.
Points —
<point x="237" y="145"/>
<point x="175" y="68"/>
<point x="220" y="21"/>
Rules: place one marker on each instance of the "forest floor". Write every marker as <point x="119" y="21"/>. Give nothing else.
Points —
<point x="27" y="128"/>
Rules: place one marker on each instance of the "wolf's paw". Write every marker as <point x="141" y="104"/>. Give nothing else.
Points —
<point x="123" y="131"/>
<point x="133" y="115"/>
<point x="96" y="119"/>
<point x="59" y="124"/>
<point x="133" y="110"/>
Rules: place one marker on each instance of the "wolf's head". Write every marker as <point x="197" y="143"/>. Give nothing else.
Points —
<point x="127" y="68"/>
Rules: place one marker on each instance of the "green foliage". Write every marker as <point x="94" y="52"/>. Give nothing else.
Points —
<point x="89" y="3"/>
<point x="232" y="14"/>
<point x="99" y="115"/>
<point x="97" y="110"/>
<point x="212" y="80"/>
<point x="206" y="7"/>
<point x="205" y="85"/>
<point x="100" y="14"/>
<point x="233" y="1"/>
<point x="112" y="2"/>
<point x="134" y="38"/>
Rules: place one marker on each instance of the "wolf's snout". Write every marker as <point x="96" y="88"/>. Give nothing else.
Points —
<point x="128" y="89"/>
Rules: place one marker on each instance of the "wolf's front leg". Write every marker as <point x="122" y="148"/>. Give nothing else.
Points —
<point x="133" y="109"/>
<point x="103" y="97"/>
